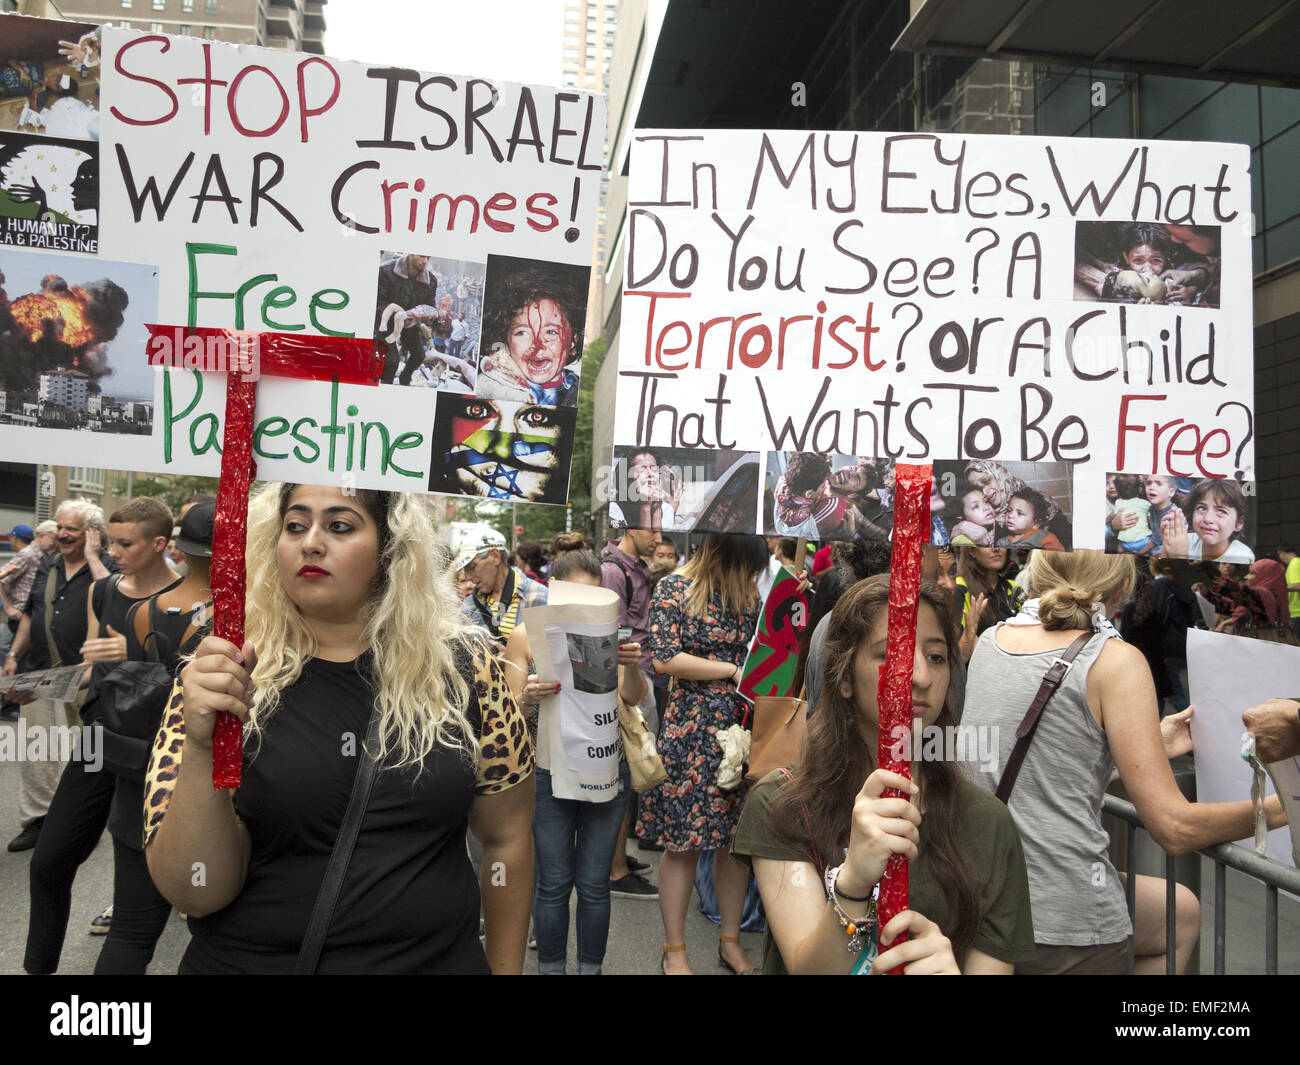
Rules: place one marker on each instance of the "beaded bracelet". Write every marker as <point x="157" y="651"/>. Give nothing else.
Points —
<point x="858" y="929"/>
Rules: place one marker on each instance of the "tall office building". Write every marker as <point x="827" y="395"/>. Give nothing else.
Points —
<point x="294" y="25"/>
<point x="588" y="44"/>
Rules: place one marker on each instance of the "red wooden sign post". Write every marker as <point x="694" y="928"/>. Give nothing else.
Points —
<point x="911" y="532"/>
<point x="347" y="360"/>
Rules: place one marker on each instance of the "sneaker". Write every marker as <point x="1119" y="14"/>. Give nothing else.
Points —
<point x="633" y="886"/>
<point x="100" y="925"/>
<point x="648" y="845"/>
<point x="635" y="865"/>
<point x="26" y="839"/>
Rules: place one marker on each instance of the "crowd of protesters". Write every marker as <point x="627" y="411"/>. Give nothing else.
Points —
<point x="387" y="667"/>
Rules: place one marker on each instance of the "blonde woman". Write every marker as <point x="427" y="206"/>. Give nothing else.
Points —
<point x="1103" y="717"/>
<point x="701" y="621"/>
<point x="351" y="612"/>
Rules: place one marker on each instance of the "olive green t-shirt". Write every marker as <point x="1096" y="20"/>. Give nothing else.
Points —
<point x="993" y="853"/>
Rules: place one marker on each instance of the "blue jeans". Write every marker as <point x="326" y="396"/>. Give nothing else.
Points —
<point x="574" y="842"/>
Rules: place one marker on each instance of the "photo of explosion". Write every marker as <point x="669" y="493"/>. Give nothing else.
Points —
<point x="60" y="341"/>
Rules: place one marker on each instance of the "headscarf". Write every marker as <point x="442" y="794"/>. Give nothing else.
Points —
<point x="1008" y="485"/>
<point x="1269" y="587"/>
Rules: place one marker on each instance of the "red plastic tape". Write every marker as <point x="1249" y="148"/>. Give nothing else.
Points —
<point x="229" y="535"/>
<point x="911" y="531"/>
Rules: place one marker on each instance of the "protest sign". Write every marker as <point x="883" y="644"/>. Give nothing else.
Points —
<point x="773" y="657"/>
<point x="1064" y="307"/>
<point x="574" y="640"/>
<point x="275" y="201"/>
<point x="1227" y="675"/>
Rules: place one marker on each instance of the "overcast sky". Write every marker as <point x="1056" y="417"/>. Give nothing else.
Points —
<point x="505" y="40"/>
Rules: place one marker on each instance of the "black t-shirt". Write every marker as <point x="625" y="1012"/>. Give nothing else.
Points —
<point x="68" y="612"/>
<point x="410" y="900"/>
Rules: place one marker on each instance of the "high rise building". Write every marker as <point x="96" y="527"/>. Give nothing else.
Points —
<point x="294" y="25"/>
<point x="589" y="27"/>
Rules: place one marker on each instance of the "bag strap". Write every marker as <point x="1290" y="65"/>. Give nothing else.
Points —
<point x="322" y="913"/>
<point x="1025" y="733"/>
<point x="627" y="581"/>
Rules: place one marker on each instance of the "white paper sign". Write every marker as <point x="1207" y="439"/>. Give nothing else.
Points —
<point x="1079" y="304"/>
<point x="1227" y="676"/>
<point x="574" y="640"/>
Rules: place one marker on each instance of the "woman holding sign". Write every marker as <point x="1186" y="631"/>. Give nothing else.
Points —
<point x="575" y="840"/>
<point x="819" y="834"/>
<point x="701" y="622"/>
<point x="1102" y="717"/>
<point x="352" y="630"/>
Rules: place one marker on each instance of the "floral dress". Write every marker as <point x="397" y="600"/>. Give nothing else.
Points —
<point x="688" y="811"/>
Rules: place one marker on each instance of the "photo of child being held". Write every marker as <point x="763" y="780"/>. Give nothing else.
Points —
<point x="978" y="524"/>
<point x="1026" y="520"/>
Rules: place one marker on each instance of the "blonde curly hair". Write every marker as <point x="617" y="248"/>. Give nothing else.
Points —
<point x="411" y="626"/>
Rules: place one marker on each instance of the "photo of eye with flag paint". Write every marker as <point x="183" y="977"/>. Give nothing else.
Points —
<point x="497" y="450"/>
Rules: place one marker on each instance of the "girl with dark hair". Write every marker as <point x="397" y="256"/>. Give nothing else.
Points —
<point x="701" y="620"/>
<point x="819" y="834"/>
<point x="985" y="594"/>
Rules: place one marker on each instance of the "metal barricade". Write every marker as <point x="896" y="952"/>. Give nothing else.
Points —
<point x="1273" y="875"/>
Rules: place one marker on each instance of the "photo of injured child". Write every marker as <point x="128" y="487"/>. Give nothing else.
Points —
<point x="829" y="497"/>
<point x="1147" y="262"/>
<point x="49" y="78"/>
<point x="428" y="311"/>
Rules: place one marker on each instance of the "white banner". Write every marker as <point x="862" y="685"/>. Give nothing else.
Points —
<point x="440" y="226"/>
<point x="1081" y="305"/>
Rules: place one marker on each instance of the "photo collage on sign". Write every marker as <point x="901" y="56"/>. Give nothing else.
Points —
<point x="1209" y="519"/>
<point x="507" y="405"/>
<point x="49" y="136"/>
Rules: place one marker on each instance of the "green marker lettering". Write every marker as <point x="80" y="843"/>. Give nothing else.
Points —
<point x="270" y="427"/>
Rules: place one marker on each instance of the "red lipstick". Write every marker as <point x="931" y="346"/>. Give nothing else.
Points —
<point x="312" y="573"/>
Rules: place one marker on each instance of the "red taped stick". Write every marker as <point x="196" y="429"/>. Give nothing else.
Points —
<point x="229" y="534"/>
<point x="911" y="531"/>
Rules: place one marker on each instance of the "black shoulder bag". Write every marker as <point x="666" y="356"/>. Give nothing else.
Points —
<point x="130" y="702"/>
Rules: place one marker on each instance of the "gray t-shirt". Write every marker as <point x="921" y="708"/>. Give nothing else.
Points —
<point x="812" y="675"/>
<point x="1077" y="896"/>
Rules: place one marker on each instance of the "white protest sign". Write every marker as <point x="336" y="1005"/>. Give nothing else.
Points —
<point x="1074" y="306"/>
<point x="1227" y="676"/>
<point x="574" y="640"/>
<point x="251" y="201"/>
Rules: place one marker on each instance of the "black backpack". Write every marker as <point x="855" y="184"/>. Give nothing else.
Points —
<point x="129" y="703"/>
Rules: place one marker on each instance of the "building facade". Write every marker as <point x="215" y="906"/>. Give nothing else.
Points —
<point x="589" y="30"/>
<point x="294" y="25"/>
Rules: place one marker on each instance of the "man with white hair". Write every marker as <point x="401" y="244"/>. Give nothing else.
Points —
<point x="51" y="633"/>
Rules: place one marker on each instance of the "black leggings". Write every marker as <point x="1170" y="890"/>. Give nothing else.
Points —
<point x="139" y="916"/>
<point x="76" y="819"/>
